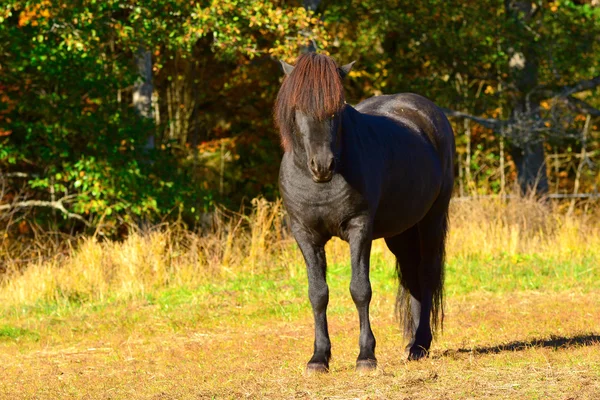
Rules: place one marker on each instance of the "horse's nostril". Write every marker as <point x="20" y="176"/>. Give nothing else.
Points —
<point x="331" y="164"/>
<point x="313" y="164"/>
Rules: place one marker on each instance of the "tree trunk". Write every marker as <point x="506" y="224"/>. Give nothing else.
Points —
<point x="310" y="5"/>
<point x="527" y="143"/>
<point x="142" y="94"/>
<point x="531" y="168"/>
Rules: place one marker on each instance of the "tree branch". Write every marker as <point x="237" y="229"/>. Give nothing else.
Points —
<point x="583" y="106"/>
<point x="579" y="87"/>
<point x="57" y="205"/>
<point x="17" y="175"/>
<point x="492" y="123"/>
<point x="565" y="94"/>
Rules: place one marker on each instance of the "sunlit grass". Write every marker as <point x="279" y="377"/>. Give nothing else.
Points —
<point x="493" y="246"/>
<point x="169" y="313"/>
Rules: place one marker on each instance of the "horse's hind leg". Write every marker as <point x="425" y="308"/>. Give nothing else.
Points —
<point x="406" y="248"/>
<point x="432" y="234"/>
<point x="420" y="255"/>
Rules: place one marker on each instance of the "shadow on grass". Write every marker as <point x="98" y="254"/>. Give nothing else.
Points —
<point x="554" y="342"/>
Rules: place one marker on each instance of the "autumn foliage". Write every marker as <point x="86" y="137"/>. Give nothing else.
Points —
<point x="69" y="135"/>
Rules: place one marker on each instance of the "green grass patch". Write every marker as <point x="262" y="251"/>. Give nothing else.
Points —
<point x="250" y="297"/>
<point x="8" y="332"/>
<point x="506" y="273"/>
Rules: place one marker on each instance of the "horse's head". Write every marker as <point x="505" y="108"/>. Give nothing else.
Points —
<point x="321" y="142"/>
<point x="308" y="112"/>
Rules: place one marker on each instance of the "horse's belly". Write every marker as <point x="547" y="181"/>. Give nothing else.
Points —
<point x="401" y="207"/>
<point x="392" y="224"/>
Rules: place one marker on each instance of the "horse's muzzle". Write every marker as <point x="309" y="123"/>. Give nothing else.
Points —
<point x="322" y="179"/>
<point x="322" y="172"/>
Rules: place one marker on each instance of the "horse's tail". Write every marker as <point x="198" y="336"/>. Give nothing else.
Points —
<point x="437" y="308"/>
<point x="407" y="310"/>
<point x="403" y="306"/>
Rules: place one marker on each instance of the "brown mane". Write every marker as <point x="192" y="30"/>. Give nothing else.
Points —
<point x="314" y="87"/>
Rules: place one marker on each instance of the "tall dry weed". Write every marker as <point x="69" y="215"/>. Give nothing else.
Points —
<point x="519" y="225"/>
<point x="259" y="243"/>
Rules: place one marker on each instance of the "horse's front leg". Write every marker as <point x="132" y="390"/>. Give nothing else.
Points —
<point x="359" y="235"/>
<point x="318" y="293"/>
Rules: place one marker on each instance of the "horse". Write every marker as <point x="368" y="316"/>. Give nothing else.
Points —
<point x="382" y="169"/>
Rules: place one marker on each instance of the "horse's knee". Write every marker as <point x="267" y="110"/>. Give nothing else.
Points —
<point x="318" y="295"/>
<point x="361" y="292"/>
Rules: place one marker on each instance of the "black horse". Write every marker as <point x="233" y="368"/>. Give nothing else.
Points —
<point x="381" y="170"/>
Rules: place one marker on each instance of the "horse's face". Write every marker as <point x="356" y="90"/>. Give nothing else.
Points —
<point x="321" y="142"/>
<point x="320" y="137"/>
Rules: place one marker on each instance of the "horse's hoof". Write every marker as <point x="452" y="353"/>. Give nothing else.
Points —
<point x="366" y="365"/>
<point x="316" y="368"/>
<point x="417" y="353"/>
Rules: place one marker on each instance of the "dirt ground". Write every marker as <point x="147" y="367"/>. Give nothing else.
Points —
<point x="513" y="346"/>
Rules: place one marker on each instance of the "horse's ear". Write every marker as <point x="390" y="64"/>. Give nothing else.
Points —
<point x="345" y="69"/>
<point x="287" y="68"/>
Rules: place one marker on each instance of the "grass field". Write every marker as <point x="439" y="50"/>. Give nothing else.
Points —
<point x="167" y="314"/>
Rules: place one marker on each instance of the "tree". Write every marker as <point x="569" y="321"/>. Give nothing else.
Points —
<point x="494" y="63"/>
<point x="71" y="141"/>
<point x="67" y="68"/>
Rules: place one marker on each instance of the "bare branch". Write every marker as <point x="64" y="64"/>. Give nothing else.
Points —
<point x="57" y="205"/>
<point x="529" y="125"/>
<point x="583" y="106"/>
<point x="512" y="196"/>
<point x="580" y="87"/>
<point x="16" y="175"/>
<point x="495" y="124"/>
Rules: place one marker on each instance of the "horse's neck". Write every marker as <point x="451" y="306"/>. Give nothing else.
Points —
<point x="351" y="118"/>
<point x="352" y="122"/>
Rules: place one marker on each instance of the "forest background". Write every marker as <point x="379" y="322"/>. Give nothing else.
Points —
<point x="117" y="112"/>
<point x="130" y="130"/>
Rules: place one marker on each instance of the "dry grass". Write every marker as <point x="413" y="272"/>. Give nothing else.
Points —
<point x="162" y="257"/>
<point x="521" y="226"/>
<point x="172" y="314"/>
<point x="494" y="347"/>
<point x="259" y="244"/>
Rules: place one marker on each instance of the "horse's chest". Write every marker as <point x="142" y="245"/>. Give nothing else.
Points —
<point x="323" y="207"/>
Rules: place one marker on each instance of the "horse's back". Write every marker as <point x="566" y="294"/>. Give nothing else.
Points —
<point x="418" y="114"/>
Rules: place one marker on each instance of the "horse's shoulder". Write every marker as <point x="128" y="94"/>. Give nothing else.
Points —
<point x="394" y="103"/>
